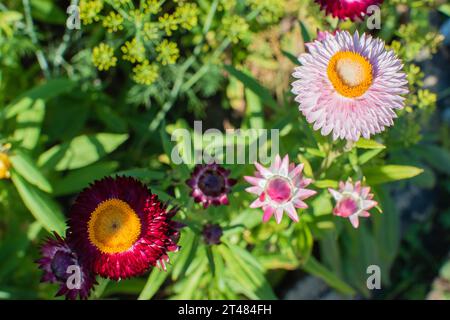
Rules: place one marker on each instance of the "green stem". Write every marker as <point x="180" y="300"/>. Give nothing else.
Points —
<point x="179" y="81"/>
<point x="30" y="30"/>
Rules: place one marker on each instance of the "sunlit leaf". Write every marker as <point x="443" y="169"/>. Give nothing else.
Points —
<point x="26" y="167"/>
<point x="389" y="173"/>
<point x="40" y="205"/>
<point x="81" y="151"/>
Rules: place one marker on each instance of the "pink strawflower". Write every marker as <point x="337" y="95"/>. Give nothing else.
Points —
<point x="349" y="85"/>
<point x="347" y="9"/>
<point x="279" y="188"/>
<point x="352" y="201"/>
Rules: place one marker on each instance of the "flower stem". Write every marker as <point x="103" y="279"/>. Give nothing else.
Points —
<point x="31" y="33"/>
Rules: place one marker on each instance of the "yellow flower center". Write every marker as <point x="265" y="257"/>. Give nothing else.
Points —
<point x="5" y="164"/>
<point x="114" y="226"/>
<point x="350" y="73"/>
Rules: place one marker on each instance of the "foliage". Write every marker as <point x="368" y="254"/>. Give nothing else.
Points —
<point x="78" y="105"/>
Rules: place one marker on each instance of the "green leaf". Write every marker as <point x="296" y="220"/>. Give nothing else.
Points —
<point x="389" y="173"/>
<point x="307" y="169"/>
<point x="445" y="9"/>
<point x="331" y="252"/>
<point x="437" y="157"/>
<point x="322" y="184"/>
<point x="78" y="179"/>
<point x="154" y="282"/>
<point x="46" y="91"/>
<point x="81" y="151"/>
<point x="386" y="231"/>
<point x="252" y="84"/>
<point x="290" y="56"/>
<point x="47" y="11"/>
<point x="40" y="205"/>
<point x="315" y="268"/>
<point x="369" y="144"/>
<point x="111" y="119"/>
<point x="305" y="34"/>
<point x="100" y="288"/>
<point x="193" y="279"/>
<point x="168" y="146"/>
<point x="243" y="267"/>
<point x="142" y="173"/>
<point x="189" y="244"/>
<point x="304" y="242"/>
<point x="315" y="152"/>
<point x="254" y="110"/>
<point x="28" y="124"/>
<point x="25" y="166"/>
<point x="368" y="155"/>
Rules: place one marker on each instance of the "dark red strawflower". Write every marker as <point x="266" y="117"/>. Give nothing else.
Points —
<point x="347" y="9"/>
<point x="210" y="184"/>
<point x="62" y="265"/>
<point x="212" y="233"/>
<point x="121" y="228"/>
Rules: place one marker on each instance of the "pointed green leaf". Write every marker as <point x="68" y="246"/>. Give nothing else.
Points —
<point x="45" y="91"/>
<point x="79" y="179"/>
<point x="25" y="166"/>
<point x="252" y="84"/>
<point x="154" y="282"/>
<point x="81" y="151"/>
<point x="369" y="144"/>
<point x="28" y="125"/>
<point x="389" y="173"/>
<point x="40" y="205"/>
<point x="436" y="156"/>
<point x="47" y="11"/>
<point x="305" y="33"/>
<point x="291" y="57"/>
<point x="315" y="268"/>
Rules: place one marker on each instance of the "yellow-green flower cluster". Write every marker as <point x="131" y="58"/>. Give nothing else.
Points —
<point x="133" y="51"/>
<point x="151" y="31"/>
<point x="226" y="5"/>
<point x="234" y="27"/>
<point x="103" y="57"/>
<point x="168" y="52"/>
<point x="187" y="15"/>
<point x="90" y="10"/>
<point x="145" y="73"/>
<point x="152" y="6"/>
<point x="270" y="11"/>
<point x="148" y="23"/>
<point x="113" y="22"/>
<point x="168" y="23"/>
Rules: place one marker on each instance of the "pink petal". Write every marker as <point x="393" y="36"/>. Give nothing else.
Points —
<point x="255" y="181"/>
<point x="266" y="173"/>
<point x="292" y="213"/>
<point x="278" y="215"/>
<point x="354" y="220"/>
<point x="257" y="203"/>
<point x="268" y="212"/>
